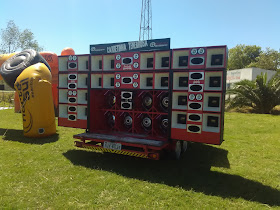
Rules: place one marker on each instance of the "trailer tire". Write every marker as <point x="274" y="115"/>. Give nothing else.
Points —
<point x="13" y="67"/>
<point x="184" y="146"/>
<point x="177" y="150"/>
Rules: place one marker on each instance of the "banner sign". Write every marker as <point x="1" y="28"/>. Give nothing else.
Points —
<point x="146" y="45"/>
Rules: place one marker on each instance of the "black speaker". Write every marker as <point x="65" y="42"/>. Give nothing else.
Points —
<point x="194" y="117"/>
<point x="147" y="123"/>
<point x="72" y="117"/>
<point x="183" y="82"/>
<point x="111" y="99"/>
<point x="72" y="65"/>
<point x="164" y="101"/>
<point x="182" y="100"/>
<point x="165" y="62"/>
<point x="110" y="119"/>
<point x="194" y="128"/>
<point x="197" y="75"/>
<point x="212" y="121"/>
<point x="100" y="64"/>
<point x="196" y="87"/>
<point x="112" y="81"/>
<point x="164" y="123"/>
<point x="72" y="85"/>
<point x="213" y="101"/>
<point x="217" y="59"/>
<point x="72" y="109"/>
<point x="85" y="111"/>
<point x="183" y="60"/>
<point x="147" y="101"/>
<point x="72" y="100"/>
<point x="126" y="105"/>
<point x="86" y="64"/>
<point x="99" y="81"/>
<point x="112" y="64"/>
<point x="126" y="95"/>
<point x="86" y="96"/>
<point x="181" y="119"/>
<point x="127" y="121"/>
<point x="127" y="60"/>
<point x="149" y="81"/>
<point x="164" y="81"/>
<point x="72" y="76"/>
<point x="197" y="60"/>
<point x="150" y="62"/>
<point x="195" y="105"/>
<point x="215" y="82"/>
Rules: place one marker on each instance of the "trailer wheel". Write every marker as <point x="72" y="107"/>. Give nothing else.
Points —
<point x="184" y="146"/>
<point x="177" y="150"/>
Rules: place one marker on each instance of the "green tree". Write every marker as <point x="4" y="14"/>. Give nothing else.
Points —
<point x="260" y="94"/>
<point x="9" y="38"/>
<point x="12" y="39"/>
<point x="269" y="59"/>
<point x="242" y="56"/>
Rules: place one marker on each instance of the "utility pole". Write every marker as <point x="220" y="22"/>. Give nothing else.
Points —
<point x="146" y="21"/>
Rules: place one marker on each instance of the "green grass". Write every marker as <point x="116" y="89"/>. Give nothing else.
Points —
<point x="242" y="173"/>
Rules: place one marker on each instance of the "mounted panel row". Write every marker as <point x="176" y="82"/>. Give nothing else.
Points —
<point x="184" y="58"/>
<point x="74" y="116"/>
<point x="209" y="101"/>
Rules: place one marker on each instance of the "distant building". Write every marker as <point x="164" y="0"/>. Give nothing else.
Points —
<point x="237" y="75"/>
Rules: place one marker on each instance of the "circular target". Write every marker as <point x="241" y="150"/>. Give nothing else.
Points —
<point x="118" y="76"/>
<point x="135" y="76"/>
<point x="147" y="101"/>
<point x="118" y="57"/>
<point x="70" y="93"/>
<point x="136" y="56"/>
<point x="70" y="58"/>
<point x="13" y="67"/>
<point x="147" y="123"/>
<point x="198" y="97"/>
<point x="118" y="65"/>
<point x="135" y="65"/>
<point x="74" y="93"/>
<point x="191" y="97"/>
<point x="74" y="57"/>
<point x="128" y="121"/>
<point x="194" y="51"/>
<point x="135" y="84"/>
<point x="118" y="84"/>
<point x="201" y="51"/>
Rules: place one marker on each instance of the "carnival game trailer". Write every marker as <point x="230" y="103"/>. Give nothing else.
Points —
<point x="142" y="98"/>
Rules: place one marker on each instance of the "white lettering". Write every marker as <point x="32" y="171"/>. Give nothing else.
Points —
<point x="136" y="45"/>
<point x="116" y="48"/>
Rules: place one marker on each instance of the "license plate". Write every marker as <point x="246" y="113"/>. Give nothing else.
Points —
<point x="110" y="145"/>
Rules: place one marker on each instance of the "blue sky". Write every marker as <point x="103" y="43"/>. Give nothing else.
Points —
<point x="57" y="24"/>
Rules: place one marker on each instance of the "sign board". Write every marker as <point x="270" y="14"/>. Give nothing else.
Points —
<point x="145" y="45"/>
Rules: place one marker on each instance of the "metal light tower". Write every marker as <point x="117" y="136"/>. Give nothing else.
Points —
<point x="146" y="21"/>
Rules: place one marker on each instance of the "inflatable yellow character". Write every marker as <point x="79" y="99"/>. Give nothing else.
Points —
<point x="30" y="75"/>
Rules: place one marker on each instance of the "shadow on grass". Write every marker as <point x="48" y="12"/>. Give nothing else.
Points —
<point x="17" y="135"/>
<point x="191" y="173"/>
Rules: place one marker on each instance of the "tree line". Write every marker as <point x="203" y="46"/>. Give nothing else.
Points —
<point x="13" y="39"/>
<point x="245" y="56"/>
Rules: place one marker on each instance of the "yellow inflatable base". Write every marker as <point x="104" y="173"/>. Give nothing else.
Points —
<point x="34" y="88"/>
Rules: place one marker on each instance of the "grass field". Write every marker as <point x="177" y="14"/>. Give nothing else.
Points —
<point x="242" y="173"/>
